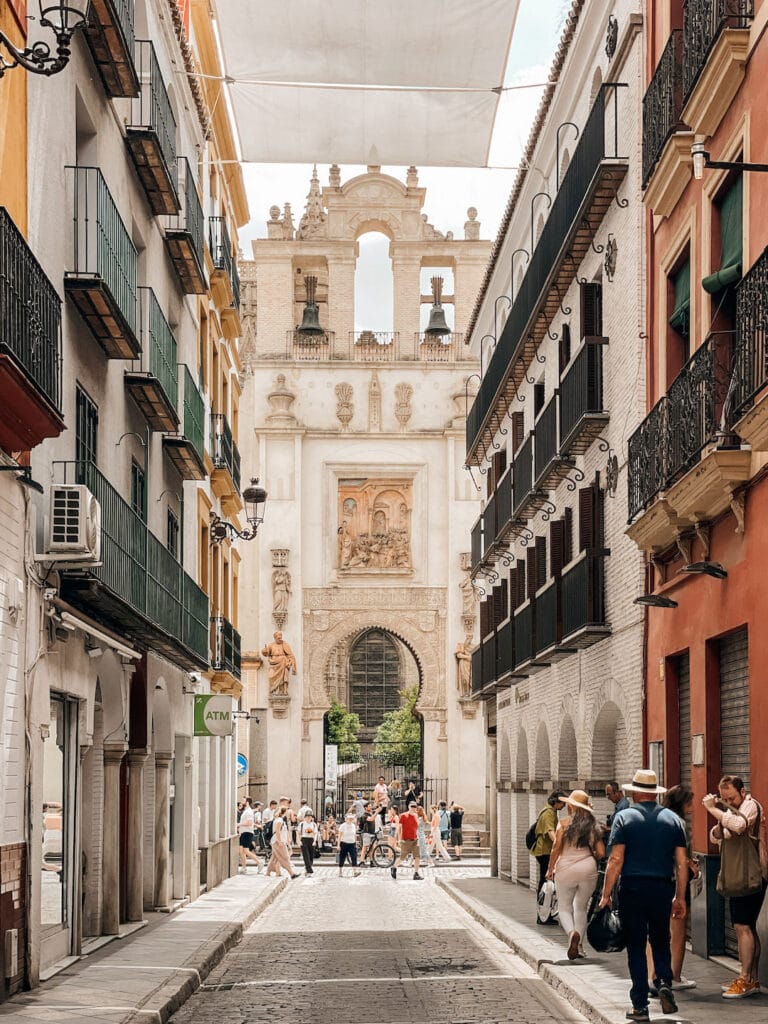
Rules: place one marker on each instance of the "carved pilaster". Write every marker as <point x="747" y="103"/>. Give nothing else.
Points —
<point x="279" y="703"/>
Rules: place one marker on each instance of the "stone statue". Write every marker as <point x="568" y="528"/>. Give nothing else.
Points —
<point x="468" y="597"/>
<point x="281" y="591"/>
<point x="464" y="667"/>
<point x="282" y="663"/>
<point x="472" y="226"/>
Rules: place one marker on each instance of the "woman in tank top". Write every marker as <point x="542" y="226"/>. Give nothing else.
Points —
<point x="573" y="862"/>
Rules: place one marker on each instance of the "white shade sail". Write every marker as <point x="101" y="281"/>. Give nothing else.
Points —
<point x="364" y="82"/>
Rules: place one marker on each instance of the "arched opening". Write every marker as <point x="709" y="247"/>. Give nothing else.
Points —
<point x="505" y="760"/>
<point x="608" y="739"/>
<point x="521" y="760"/>
<point x="597" y="81"/>
<point x="373" y="681"/>
<point x="374" y="287"/>
<point x="567" y="760"/>
<point x="542" y="765"/>
<point x="447" y="299"/>
<point x="522" y="774"/>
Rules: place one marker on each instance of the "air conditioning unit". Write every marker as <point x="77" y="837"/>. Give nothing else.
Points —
<point x="74" y="525"/>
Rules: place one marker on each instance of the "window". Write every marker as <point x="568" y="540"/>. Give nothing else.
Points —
<point x="538" y="397"/>
<point x="541" y="562"/>
<point x="590" y="518"/>
<point x="172" y="533"/>
<point x="680" y="318"/>
<point x="727" y="222"/>
<point x="564" y="347"/>
<point x="86" y="427"/>
<point x="591" y="310"/>
<point x="138" y="490"/>
<point x="518" y="430"/>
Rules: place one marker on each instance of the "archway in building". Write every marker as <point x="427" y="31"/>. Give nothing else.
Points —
<point x="567" y="756"/>
<point x="609" y="743"/>
<point x="373" y="681"/>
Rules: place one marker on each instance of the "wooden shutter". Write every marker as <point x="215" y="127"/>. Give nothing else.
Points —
<point x="586" y="517"/>
<point x="564" y="346"/>
<point x="504" y="600"/>
<point x="567" y="521"/>
<point x="557" y="546"/>
<point x="520" y="577"/>
<point x="591" y="310"/>
<point x="498" y="466"/>
<point x="541" y="561"/>
<point x="517" y="430"/>
<point x="484" y="619"/>
<point x="530" y="558"/>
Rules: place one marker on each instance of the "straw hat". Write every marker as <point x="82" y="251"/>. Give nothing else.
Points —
<point x="579" y="798"/>
<point x="645" y="781"/>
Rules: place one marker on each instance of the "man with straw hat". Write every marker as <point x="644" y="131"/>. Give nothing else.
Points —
<point x="648" y="849"/>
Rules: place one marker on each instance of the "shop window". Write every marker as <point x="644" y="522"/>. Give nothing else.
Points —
<point x="57" y="783"/>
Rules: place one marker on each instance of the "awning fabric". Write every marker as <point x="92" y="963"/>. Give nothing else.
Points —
<point x="730" y="240"/>
<point x="358" y="81"/>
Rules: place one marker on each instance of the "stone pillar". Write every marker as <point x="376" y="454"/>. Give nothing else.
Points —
<point x="135" y="867"/>
<point x="162" y="811"/>
<point x="406" y="273"/>
<point x="110" y="868"/>
<point x="493" y="817"/>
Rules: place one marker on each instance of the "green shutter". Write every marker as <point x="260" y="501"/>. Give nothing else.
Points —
<point x="681" y="314"/>
<point x="730" y="240"/>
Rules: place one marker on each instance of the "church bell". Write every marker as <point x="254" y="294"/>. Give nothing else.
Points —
<point x="437" y="325"/>
<point x="310" y="320"/>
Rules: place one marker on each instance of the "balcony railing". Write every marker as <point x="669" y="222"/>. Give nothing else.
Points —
<point x="546" y="441"/>
<point x="146" y="592"/>
<point x="225" y="452"/>
<point x="477" y="670"/>
<point x="548" y="616"/>
<point x="186" y="448"/>
<point x="489" y="659"/>
<point x="194" y="414"/>
<point x="522" y="478"/>
<point x="153" y="380"/>
<point x="505" y="649"/>
<point x="581" y="401"/>
<point x="703" y="23"/>
<point x="693" y="414"/>
<point x="663" y="103"/>
<point x="750" y="370"/>
<point x="151" y="133"/>
<point x="375" y="346"/>
<point x="102" y="278"/>
<point x="220" y="246"/>
<point x="184" y="234"/>
<point x="523" y="627"/>
<point x="109" y="33"/>
<point x="489" y="525"/>
<point x="476" y="543"/>
<point x="504" y="503"/>
<point x="235" y="286"/>
<point x="311" y="348"/>
<point x="599" y="141"/>
<point x="225" y="646"/>
<point x="30" y="313"/>
<point x="583" y="601"/>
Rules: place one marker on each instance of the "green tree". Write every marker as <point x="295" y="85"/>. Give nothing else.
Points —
<point x="398" y="738"/>
<point x="342" y="729"/>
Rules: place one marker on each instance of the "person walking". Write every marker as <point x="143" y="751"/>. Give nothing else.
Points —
<point x="436" y="832"/>
<point x="615" y="794"/>
<point x="347" y="844"/>
<point x="456" y="817"/>
<point x="737" y="833"/>
<point x="421" y="836"/>
<point x="309" y="835"/>
<point x="445" y="822"/>
<point x="393" y="819"/>
<point x="381" y="795"/>
<point x="546" y="827"/>
<point x="576" y="852"/>
<point x="368" y="834"/>
<point x="267" y="822"/>
<point x="648" y="847"/>
<point x="245" y="828"/>
<point x="280" y="843"/>
<point x="407" y="835"/>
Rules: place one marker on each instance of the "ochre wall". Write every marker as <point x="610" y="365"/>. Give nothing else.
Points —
<point x="13" y="121"/>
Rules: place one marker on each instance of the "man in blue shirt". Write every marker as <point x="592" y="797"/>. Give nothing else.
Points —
<point x="648" y="849"/>
<point x="615" y="794"/>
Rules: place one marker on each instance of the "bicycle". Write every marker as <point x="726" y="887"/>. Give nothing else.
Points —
<point x="382" y="854"/>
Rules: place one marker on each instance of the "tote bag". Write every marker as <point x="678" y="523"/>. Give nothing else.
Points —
<point x="740" y="870"/>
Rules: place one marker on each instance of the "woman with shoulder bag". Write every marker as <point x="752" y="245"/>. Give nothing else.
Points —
<point x="280" y="842"/>
<point x="577" y="850"/>
<point x="741" y="880"/>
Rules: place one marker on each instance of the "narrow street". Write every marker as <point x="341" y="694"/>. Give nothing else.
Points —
<point x="371" y="949"/>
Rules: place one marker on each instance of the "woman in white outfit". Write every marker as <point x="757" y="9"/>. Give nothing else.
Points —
<point x="438" y="849"/>
<point x="573" y="864"/>
<point x="281" y="855"/>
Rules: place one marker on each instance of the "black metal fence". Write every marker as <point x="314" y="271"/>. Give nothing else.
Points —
<point x="30" y="312"/>
<point x="545" y="439"/>
<point x="225" y="451"/>
<point x="703" y="22"/>
<point x="581" y="392"/>
<point x="190" y="216"/>
<point x="548" y="616"/>
<point x="220" y="245"/>
<point x="522" y="480"/>
<point x="225" y="646"/>
<point x="489" y="524"/>
<point x="663" y="103"/>
<point x="476" y="543"/>
<point x="750" y="369"/>
<point x="583" y="594"/>
<point x="524" y="626"/>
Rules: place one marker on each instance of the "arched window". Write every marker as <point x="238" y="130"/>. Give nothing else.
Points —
<point x="374" y="284"/>
<point x="375" y="677"/>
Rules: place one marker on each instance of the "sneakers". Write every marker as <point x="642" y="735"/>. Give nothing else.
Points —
<point x="393" y="872"/>
<point x="356" y="874"/>
<point x="667" y="1000"/>
<point x="641" y="1015"/>
<point x="683" y="983"/>
<point x="417" y="877"/>
<point x="741" y="988"/>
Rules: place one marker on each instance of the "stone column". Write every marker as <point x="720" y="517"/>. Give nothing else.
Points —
<point x="110" y="865"/>
<point x="493" y="816"/>
<point x="135" y="867"/>
<point x="162" y="811"/>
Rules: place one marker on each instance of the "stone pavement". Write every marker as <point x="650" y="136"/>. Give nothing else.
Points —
<point x="370" y="949"/>
<point x="148" y="975"/>
<point x="598" y="987"/>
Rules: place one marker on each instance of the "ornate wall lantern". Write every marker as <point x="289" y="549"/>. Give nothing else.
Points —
<point x="64" y="17"/>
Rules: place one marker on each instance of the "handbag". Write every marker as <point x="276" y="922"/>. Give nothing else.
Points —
<point x="740" y="871"/>
<point x="604" y="931"/>
<point x="546" y="909"/>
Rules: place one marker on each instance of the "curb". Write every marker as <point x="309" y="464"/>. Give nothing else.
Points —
<point x="581" y="996"/>
<point x="171" y="994"/>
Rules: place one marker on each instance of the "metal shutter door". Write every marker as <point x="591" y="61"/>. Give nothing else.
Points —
<point x="734" y="727"/>
<point x="684" y="717"/>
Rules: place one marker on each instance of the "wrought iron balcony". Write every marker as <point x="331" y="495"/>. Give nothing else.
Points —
<point x="589" y="186"/>
<point x="583" y="602"/>
<point x="524" y="622"/>
<point x="220" y="247"/>
<point x="703" y="23"/>
<point x="225" y="646"/>
<point x="109" y="33"/>
<point x="750" y="364"/>
<point x="184" y="234"/>
<point x="102" y="278"/>
<point x="312" y="348"/>
<point x="186" y="449"/>
<point x="477" y="670"/>
<point x="522" y="478"/>
<point x="30" y="345"/>
<point x="153" y="379"/>
<point x="230" y="315"/>
<point x="488" y="659"/>
<point x="151" y="134"/>
<point x="476" y="544"/>
<point x="546" y="447"/>
<point x="140" y="590"/>
<point x="489" y="525"/>
<point x="646" y="459"/>
<point x="504" y="505"/>
<point x="663" y="103"/>
<point x="493" y="661"/>
<point x="225" y="454"/>
<point x="582" y="415"/>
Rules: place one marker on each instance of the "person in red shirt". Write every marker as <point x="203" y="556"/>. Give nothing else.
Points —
<point x="407" y="834"/>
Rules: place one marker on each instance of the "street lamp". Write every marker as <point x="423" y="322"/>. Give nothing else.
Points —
<point x="254" y="498"/>
<point x="655" y="601"/>
<point x="701" y="160"/>
<point x="64" y="17"/>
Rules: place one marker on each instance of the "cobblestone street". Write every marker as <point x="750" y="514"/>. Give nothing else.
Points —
<point x="350" y="951"/>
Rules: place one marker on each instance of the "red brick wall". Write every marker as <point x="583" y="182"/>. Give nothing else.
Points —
<point x="13" y="889"/>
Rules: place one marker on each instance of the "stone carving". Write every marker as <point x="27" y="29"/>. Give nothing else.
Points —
<point x="429" y="230"/>
<point x="702" y="531"/>
<point x="465" y="561"/>
<point x="469" y="596"/>
<point x="274" y="224"/>
<point x="314" y="222"/>
<point x="403" y="396"/>
<point x="334" y="176"/>
<point x="374" y="403"/>
<point x="280" y="401"/>
<point x="463" y="658"/>
<point x="412" y="177"/>
<point x="345" y="408"/>
<point x="282" y="663"/>
<point x="375" y="525"/>
<point x="472" y="225"/>
<point x="281" y="591"/>
<point x="279" y="557"/>
<point x="288" y="229"/>
<point x="738" y="507"/>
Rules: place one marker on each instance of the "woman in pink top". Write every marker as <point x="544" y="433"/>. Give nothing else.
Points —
<point x="438" y="849"/>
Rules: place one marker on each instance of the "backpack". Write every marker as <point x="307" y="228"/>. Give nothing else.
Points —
<point x="267" y="830"/>
<point x="530" y="836"/>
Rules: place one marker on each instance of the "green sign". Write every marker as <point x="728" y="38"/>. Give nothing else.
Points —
<point x="213" y="715"/>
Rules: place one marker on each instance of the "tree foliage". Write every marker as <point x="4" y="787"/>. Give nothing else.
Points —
<point x="342" y="729"/>
<point x="398" y="738"/>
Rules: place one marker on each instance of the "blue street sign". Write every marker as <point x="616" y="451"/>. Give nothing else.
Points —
<point x="242" y="764"/>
